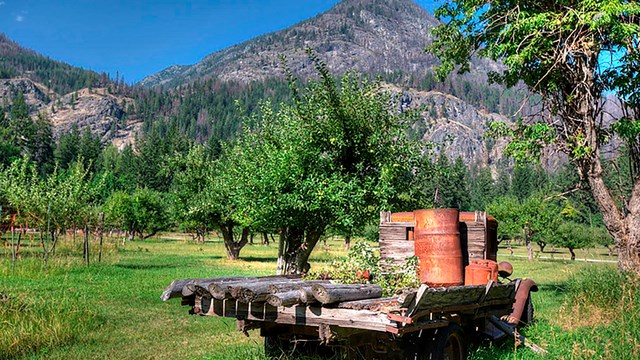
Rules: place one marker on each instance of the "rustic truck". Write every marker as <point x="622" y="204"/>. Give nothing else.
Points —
<point x="320" y="318"/>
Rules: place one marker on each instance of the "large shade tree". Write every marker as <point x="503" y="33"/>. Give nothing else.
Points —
<point x="569" y="53"/>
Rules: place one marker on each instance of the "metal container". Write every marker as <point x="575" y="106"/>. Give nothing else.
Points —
<point x="437" y="246"/>
<point x="403" y="217"/>
<point x="479" y="272"/>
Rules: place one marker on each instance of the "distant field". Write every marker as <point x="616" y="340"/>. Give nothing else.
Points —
<point x="112" y="310"/>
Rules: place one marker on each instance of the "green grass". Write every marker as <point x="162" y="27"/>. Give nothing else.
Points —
<point x="112" y="309"/>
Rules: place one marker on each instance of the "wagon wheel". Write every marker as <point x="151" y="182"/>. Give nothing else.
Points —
<point x="278" y="346"/>
<point x="447" y="343"/>
<point x="527" y="313"/>
<point x="275" y="347"/>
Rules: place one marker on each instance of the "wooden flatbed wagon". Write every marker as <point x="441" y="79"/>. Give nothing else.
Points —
<point x="425" y="324"/>
<point x="322" y="318"/>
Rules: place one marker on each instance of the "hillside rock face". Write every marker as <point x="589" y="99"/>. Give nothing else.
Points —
<point x="34" y="95"/>
<point x="97" y="110"/>
<point x="372" y="36"/>
<point x="451" y="125"/>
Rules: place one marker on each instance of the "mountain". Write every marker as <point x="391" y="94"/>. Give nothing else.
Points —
<point x="373" y="36"/>
<point x="70" y="96"/>
<point x="378" y="38"/>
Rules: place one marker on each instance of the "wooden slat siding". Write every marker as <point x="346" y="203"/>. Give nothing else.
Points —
<point x="441" y="297"/>
<point x="393" y="232"/>
<point x="303" y="315"/>
<point x="397" y="249"/>
<point x="346" y="318"/>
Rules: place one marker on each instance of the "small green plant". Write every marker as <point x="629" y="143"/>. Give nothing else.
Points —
<point x="362" y="265"/>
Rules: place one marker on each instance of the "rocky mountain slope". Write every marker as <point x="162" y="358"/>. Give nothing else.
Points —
<point x="94" y="109"/>
<point x="376" y="37"/>
<point x="373" y="36"/>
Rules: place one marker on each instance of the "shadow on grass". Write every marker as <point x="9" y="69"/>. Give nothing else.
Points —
<point x="556" y="288"/>
<point x="258" y="258"/>
<point x="147" y="266"/>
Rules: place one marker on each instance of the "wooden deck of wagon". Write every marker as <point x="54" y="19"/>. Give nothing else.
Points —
<point x="412" y="311"/>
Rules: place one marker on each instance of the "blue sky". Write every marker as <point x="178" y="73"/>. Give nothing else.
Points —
<point x="138" y="38"/>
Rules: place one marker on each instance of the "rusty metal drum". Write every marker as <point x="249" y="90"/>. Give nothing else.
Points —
<point x="402" y="217"/>
<point x="437" y="246"/>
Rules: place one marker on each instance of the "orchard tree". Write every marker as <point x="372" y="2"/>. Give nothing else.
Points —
<point x="204" y="198"/>
<point x="143" y="213"/>
<point x="533" y="218"/>
<point x="334" y="158"/>
<point x="573" y="236"/>
<point x="569" y="53"/>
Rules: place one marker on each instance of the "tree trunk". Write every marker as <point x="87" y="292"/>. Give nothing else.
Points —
<point x="295" y="248"/>
<point x="232" y="246"/>
<point x="542" y="245"/>
<point x="347" y="242"/>
<point x="527" y="240"/>
<point x="573" y="254"/>
<point x="265" y="239"/>
<point x="624" y="230"/>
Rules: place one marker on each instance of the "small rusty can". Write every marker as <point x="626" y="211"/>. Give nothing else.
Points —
<point x="479" y="272"/>
<point x="437" y="246"/>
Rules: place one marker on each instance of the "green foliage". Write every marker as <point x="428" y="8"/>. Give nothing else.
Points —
<point x="573" y="236"/>
<point x="143" y="213"/>
<point x="61" y="199"/>
<point x="526" y="141"/>
<point x="362" y="265"/>
<point x="336" y="157"/>
<point x="506" y="209"/>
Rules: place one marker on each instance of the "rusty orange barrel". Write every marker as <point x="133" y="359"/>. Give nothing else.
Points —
<point x="437" y="246"/>
<point x="479" y="272"/>
<point x="402" y="217"/>
<point x="468" y="216"/>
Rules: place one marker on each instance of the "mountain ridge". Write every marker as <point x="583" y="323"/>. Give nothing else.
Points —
<point x="371" y="36"/>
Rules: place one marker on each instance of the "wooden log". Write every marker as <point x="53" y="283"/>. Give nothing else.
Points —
<point x="333" y="293"/>
<point x="371" y="304"/>
<point x="222" y="290"/>
<point x="287" y="298"/>
<point x="174" y="290"/>
<point x="190" y="287"/>
<point x="259" y="290"/>
<point x="306" y="295"/>
<point x="295" y="285"/>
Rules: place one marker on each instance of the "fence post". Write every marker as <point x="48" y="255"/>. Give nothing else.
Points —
<point x="86" y="244"/>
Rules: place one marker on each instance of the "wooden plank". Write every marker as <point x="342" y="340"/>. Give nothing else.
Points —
<point x="370" y="304"/>
<point x="315" y="316"/>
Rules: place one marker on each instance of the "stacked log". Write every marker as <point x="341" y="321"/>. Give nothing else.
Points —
<point x="306" y="295"/>
<point x="333" y="293"/>
<point x="278" y="291"/>
<point x="232" y="288"/>
<point x="286" y="298"/>
<point x="370" y="304"/>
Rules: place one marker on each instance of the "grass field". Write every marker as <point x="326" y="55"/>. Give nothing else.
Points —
<point x="112" y="309"/>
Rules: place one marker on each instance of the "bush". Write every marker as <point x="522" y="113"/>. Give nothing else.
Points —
<point x="362" y="265"/>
